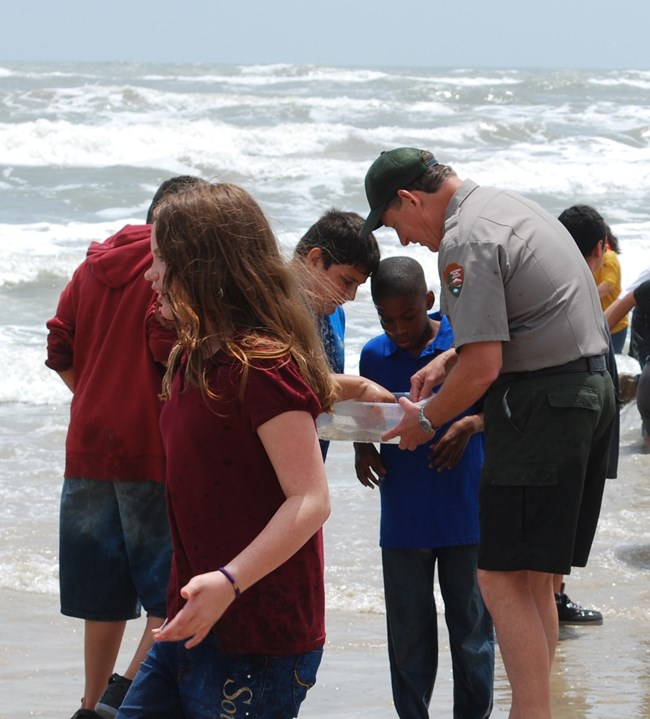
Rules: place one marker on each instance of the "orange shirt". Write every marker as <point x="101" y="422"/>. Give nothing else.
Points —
<point x="610" y="272"/>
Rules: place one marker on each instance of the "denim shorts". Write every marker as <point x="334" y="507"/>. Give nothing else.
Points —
<point x="203" y="683"/>
<point x="114" y="549"/>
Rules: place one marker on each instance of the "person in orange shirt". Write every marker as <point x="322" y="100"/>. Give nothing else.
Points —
<point x="608" y="280"/>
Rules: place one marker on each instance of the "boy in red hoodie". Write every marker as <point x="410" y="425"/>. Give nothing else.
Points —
<point x="108" y="345"/>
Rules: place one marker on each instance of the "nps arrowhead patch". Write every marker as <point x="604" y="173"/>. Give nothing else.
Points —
<point x="454" y="275"/>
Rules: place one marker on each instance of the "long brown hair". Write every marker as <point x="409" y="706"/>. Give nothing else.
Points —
<point x="229" y="288"/>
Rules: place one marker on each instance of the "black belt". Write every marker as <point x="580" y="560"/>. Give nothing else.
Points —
<point x="583" y="364"/>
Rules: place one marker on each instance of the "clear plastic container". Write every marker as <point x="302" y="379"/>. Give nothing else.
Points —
<point x="355" y="421"/>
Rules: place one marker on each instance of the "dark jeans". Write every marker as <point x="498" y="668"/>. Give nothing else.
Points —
<point x="203" y="683"/>
<point x="640" y="336"/>
<point x="643" y="399"/>
<point x="618" y="340"/>
<point x="413" y="630"/>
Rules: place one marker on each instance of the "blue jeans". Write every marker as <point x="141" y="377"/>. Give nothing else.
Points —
<point x="203" y="683"/>
<point x="413" y="630"/>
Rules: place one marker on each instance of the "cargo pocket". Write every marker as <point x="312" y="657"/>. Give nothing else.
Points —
<point x="512" y="475"/>
<point x="573" y="414"/>
<point x="575" y="397"/>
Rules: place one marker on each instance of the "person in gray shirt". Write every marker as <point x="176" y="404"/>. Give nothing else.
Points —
<point x="530" y="337"/>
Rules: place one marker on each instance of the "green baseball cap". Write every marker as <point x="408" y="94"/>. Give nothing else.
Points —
<point x="393" y="170"/>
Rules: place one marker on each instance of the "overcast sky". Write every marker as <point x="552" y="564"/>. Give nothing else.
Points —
<point x="427" y="33"/>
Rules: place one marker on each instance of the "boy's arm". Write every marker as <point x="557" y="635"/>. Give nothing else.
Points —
<point x="67" y="375"/>
<point x="61" y="334"/>
<point x="604" y="288"/>
<point x="619" y="308"/>
<point x="350" y="386"/>
<point x="447" y="451"/>
<point x="368" y="465"/>
<point x="367" y="460"/>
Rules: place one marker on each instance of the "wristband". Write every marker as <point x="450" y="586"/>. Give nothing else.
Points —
<point x="231" y="579"/>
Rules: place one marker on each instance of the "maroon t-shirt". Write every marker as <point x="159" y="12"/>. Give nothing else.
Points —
<point x="222" y="491"/>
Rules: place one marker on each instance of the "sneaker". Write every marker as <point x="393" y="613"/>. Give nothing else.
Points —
<point x="113" y="696"/>
<point x="570" y="613"/>
<point x="86" y="714"/>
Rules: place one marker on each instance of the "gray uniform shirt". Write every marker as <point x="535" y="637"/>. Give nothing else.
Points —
<point x="511" y="272"/>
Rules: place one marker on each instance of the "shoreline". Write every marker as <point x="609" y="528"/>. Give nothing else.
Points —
<point x="598" y="672"/>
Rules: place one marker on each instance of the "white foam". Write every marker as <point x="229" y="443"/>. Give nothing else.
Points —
<point x="28" y="571"/>
<point x="28" y="252"/>
<point x="25" y="378"/>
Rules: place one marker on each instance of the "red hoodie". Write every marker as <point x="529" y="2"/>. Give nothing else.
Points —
<point x="106" y="330"/>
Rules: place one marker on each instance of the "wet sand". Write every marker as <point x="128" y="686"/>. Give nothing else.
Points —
<point x="600" y="672"/>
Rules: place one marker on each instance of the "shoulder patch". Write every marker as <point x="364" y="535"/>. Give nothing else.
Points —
<point x="454" y="275"/>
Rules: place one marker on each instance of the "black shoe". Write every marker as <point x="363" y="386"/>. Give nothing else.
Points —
<point x="570" y="613"/>
<point x="113" y="696"/>
<point x="86" y="714"/>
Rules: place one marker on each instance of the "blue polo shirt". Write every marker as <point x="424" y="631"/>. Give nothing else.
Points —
<point x="420" y="507"/>
<point x="331" y="329"/>
<point x="332" y="333"/>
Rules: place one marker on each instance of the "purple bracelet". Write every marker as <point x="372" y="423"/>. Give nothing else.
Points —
<point x="231" y="579"/>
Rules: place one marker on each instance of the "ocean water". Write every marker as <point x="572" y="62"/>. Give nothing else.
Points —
<point x="84" y="147"/>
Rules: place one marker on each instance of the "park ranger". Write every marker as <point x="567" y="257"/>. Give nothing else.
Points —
<point x="530" y="337"/>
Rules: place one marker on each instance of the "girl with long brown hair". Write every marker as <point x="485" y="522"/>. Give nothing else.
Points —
<point x="247" y="493"/>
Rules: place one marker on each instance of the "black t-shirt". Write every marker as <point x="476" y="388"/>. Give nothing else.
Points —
<point x="642" y="297"/>
<point x="640" y="337"/>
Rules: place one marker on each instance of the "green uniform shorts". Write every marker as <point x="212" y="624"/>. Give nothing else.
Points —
<point x="546" y="447"/>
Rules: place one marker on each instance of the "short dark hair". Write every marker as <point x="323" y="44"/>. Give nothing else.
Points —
<point x="612" y="240"/>
<point x="399" y="276"/>
<point x="171" y="187"/>
<point x="337" y="234"/>
<point x="586" y="225"/>
<point x="433" y="178"/>
<point x="429" y="181"/>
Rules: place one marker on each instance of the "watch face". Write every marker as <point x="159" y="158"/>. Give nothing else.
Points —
<point x="425" y="423"/>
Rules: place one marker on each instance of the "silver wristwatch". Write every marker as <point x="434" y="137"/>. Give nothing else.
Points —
<point x="425" y="423"/>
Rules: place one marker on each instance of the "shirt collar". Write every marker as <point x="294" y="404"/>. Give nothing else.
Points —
<point x="464" y="190"/>
<point x="443" y="340"/>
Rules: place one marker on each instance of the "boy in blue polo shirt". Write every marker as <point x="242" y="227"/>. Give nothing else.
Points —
<point x="333" y="261"/>
<point x="429" y="512"/>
